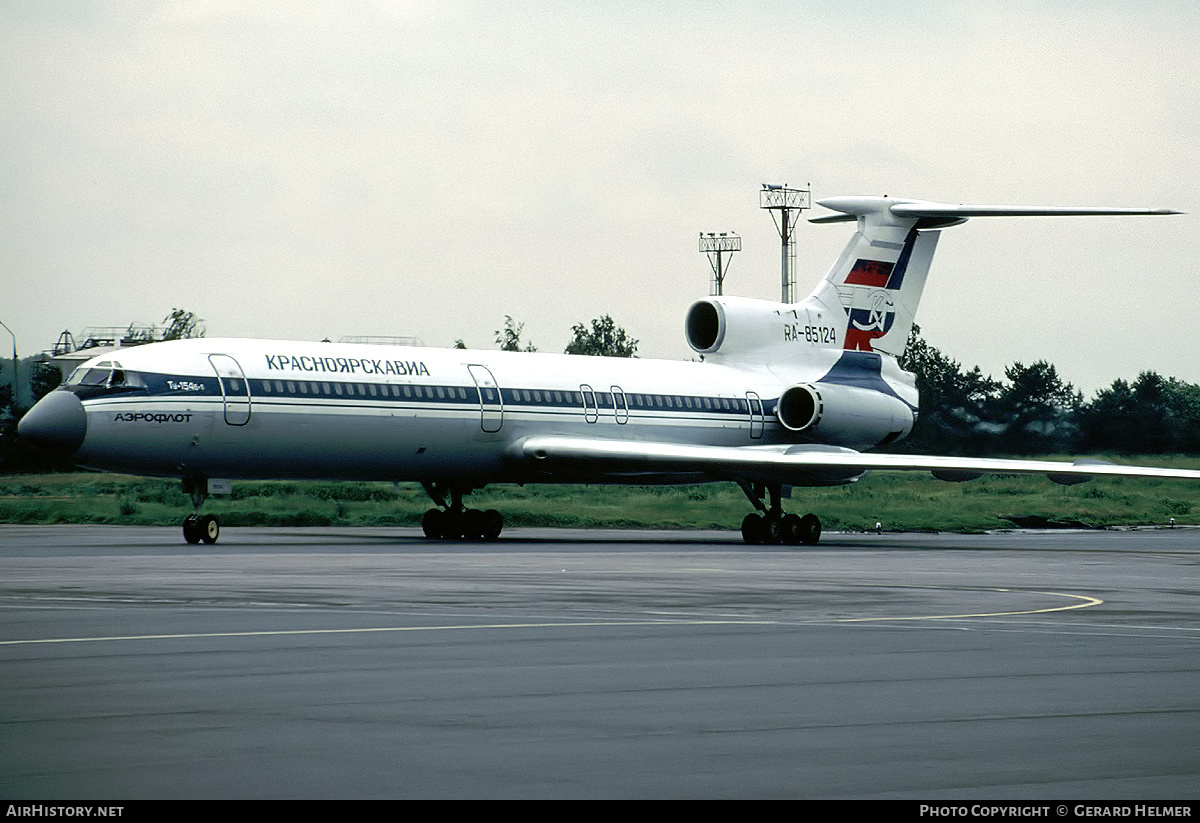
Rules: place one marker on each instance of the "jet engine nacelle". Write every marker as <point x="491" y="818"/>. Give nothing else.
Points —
<point x="846" y="415"/>
<point x="734" y="325"/>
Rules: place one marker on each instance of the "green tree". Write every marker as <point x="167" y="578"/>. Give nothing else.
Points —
<point x="17" y="455"/>
<point x="605" y="339"/>
<point x="1154" y="415"/>
<point x="1038" y="409"/>
<point x="46" y="378"/>
<point x="955" y="405"/>
<point x="182" y="325"/>
<point x="509" y="338"/>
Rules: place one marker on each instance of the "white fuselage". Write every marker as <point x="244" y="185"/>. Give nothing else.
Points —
<point x="285" y="409"/>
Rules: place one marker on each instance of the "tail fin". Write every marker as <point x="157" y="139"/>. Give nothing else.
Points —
<point x="878" y="279"/>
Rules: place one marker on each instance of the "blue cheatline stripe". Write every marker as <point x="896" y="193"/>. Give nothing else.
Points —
<point x="356" y="393"/>
<point x="863" y="370"/>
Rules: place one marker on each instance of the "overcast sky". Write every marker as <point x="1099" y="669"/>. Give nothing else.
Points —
<point x="307" y="170"/>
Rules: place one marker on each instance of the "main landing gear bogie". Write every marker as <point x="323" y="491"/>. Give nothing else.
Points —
<point x="789" y="529"/>
<point x="468" y="524"/>
<point x="772" y="525"/>
<point x="454" y="521"/>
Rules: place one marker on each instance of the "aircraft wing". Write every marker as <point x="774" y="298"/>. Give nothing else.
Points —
<point x="801" y="465"/>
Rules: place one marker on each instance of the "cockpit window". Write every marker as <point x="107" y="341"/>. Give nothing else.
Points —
<point x="96" y="376"/>
<point x="106" y="375"/>
<point x="127" y="380"/>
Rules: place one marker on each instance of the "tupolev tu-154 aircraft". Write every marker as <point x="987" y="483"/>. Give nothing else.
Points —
<point x="785" y="395"/>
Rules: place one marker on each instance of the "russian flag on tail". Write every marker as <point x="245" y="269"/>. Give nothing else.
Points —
<point x="870" y="273"/>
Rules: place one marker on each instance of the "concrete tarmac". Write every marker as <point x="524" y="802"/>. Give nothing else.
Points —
<point x="346" y="663"/>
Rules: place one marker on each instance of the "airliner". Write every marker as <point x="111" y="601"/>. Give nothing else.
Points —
<point x="783" y="395"/>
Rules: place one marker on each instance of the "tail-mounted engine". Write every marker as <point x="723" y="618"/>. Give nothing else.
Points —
<point x="844" y="415"/>
<point x="734" y="325"/>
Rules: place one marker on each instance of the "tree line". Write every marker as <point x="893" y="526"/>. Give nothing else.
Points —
<point x="1034" y="411"/>
<point x="603" y="339"/>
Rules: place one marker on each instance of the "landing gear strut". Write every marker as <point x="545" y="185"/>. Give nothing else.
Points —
<point x="773" y="526"/>
<point x="199" y="527"/>
<point x="456" y="522"/>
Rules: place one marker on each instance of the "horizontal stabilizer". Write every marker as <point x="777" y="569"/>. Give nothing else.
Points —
<point x="879" y="278"/>
<point x="853" y="207"/>
<point x="945" y="210"/>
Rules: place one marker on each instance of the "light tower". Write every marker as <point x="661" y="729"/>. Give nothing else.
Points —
<point x="16" y="383"/>
<point x="785" y="206"/>
<point x="716" y="246"/>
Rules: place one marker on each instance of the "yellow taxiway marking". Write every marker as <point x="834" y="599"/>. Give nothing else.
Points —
<point x="1083" y="602"/>
<point x="381" y="629"/>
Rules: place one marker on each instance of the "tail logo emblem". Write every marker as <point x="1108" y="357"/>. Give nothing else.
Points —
<point x="866" y="297"/>
<point x="870" y="318"/>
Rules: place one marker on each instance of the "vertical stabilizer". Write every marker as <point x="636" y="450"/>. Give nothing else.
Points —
<point x="876" y="283"/>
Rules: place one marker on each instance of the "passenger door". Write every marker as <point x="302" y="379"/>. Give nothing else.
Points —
<point x="234" y="388"/>
<point x="757" y="418"/>
<point x="591" y="408"/>
<point x="620" y="405"/>
<point x="491" y="405"/>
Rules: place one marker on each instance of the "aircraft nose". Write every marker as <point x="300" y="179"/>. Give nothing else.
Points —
<point x="56" y="423"/>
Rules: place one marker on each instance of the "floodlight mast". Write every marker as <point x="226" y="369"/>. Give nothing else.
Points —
<point x="785" y="206"/>
<point x="15" y="381"/>
<point x="716" y="246"/>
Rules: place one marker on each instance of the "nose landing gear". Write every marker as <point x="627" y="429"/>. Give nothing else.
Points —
<point x="199" y="527"/>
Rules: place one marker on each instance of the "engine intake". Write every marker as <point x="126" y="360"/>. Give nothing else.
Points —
<point x="799" y="408"/>
<point x="850" y="416"/>
<point x="735" y="325"/>
<point x="705" y="326"/>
